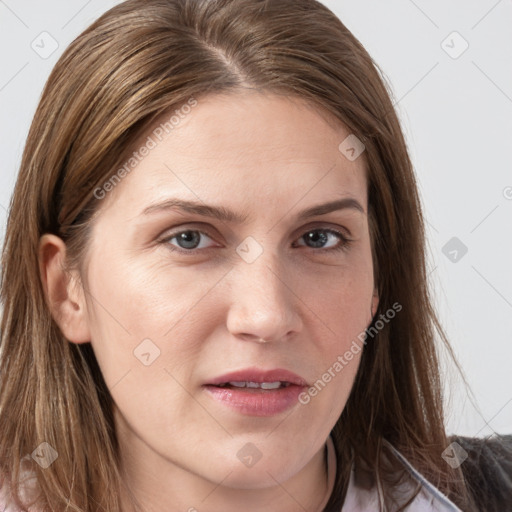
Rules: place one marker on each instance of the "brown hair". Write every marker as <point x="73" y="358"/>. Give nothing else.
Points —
<point x="136" y="62"/>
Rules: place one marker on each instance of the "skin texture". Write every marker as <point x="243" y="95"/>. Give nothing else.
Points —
<point x="267" y="157"/>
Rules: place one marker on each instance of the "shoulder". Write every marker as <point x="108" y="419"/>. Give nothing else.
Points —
<point x="486" y="464"/>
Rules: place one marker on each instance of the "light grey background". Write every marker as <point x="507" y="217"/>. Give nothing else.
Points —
<point x="456" y="111"/>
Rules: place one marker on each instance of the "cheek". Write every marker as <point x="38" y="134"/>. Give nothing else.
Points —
<point x="342" y="299"/>
<point x="147" y="318"/>
<point x="142" y="299"/>
<point x="342" y="306"/>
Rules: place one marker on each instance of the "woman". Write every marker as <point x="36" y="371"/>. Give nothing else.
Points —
<point x="214" y="282"/>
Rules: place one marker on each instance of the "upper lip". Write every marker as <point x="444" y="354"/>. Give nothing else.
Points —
<point x="258" y="376"/>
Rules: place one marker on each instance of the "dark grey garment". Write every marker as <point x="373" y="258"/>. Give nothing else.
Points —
<point x="488" y="471"/>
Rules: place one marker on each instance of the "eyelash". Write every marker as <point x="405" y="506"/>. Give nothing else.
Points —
<point x="343" y="246"/>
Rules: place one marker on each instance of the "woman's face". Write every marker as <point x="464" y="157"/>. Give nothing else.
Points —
<point x="178" y="297"/>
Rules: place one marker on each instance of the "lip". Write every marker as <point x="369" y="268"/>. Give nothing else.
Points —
<point x="257" y="402"/>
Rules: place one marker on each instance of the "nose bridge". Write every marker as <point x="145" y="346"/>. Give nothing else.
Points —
<point x="260" y="273"/>
<point x="262" y="300"/>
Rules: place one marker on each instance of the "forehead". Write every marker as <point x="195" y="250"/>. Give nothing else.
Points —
<point x="247" y="147"/>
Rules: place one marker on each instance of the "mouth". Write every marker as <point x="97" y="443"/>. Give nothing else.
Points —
<point x="255" y="392"/>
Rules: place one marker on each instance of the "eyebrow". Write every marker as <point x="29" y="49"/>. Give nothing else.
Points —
<point x="225" y="215"/>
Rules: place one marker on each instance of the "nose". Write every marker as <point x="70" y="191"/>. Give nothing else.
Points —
<point x="264" y="304"/>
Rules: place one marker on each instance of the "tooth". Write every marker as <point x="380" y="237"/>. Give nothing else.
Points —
<point x="238" y="384"/>
<point x="256" y="385"/>
<point x="270" y="385"/>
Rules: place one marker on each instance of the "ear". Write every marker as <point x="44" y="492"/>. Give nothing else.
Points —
<point x="375" y="302"/>
<point x="63" y="290"/>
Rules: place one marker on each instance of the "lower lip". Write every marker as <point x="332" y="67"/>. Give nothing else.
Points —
<point x="257" y="402"/>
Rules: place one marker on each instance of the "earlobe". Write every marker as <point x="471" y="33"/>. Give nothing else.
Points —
<point x="63" y="290"/>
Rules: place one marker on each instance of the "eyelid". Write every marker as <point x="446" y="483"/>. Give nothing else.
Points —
<point x="204" y="229"/>
<point x="328" y="226"/>
<point x="168" y="235"/>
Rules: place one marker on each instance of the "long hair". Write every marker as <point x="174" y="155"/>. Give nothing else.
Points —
<point x="136" y="62"/>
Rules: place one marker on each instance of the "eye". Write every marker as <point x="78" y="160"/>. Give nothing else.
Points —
<point x="319" y="236"/>
<point x="187" y="240"/>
